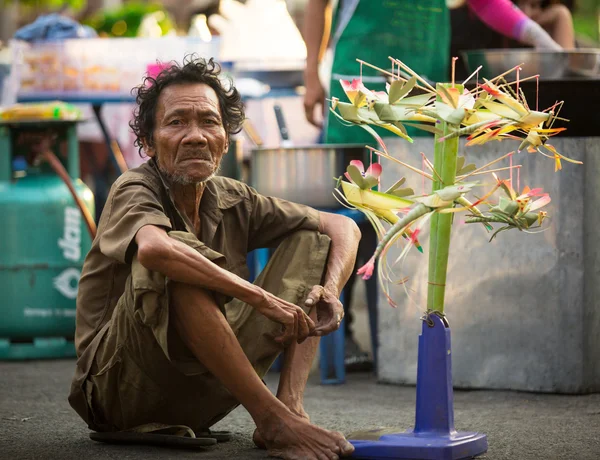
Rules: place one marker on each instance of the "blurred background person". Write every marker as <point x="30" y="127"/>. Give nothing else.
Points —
<point x="554" y="16"/>
<point x="470" y="33"/>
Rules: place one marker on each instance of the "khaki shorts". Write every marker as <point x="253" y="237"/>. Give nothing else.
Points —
<point x="143" y="373"/>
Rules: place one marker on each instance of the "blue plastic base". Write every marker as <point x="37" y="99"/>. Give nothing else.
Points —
<point x="411" y="446"/>
<point x="434" y="436"/>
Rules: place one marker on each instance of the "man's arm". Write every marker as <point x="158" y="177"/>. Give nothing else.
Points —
<point x="506" y="18"/>
<point x="345" y="235"/>
<point x="178" y="262"/>
<point x="314" y="27"/>
<point x="558" y="20"/>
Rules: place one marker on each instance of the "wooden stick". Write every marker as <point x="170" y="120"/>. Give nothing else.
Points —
<point x="454" y="59"/>
<point x="389" y="157"/>
<point x="396" y="77"/>
<point x="430" y="166"/>
<point x="60" y="170"/>
<point x="491" y="171"/>
<point x="473" y="74"/>
<point x="413" y="73"/>
<point x="489" y="164"/>
<point x="507" y="72"/>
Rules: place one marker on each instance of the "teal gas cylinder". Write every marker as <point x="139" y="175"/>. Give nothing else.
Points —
<point x="43" y="242"/>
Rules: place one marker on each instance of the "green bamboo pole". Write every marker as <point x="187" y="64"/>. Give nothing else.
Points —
<point x="444" y="162"/>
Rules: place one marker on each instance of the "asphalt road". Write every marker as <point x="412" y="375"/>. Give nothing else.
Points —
<point x="36" y="421"/>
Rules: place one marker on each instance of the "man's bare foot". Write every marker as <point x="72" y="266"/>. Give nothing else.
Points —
<point x="258" y="440"/>
<point x="257" y="437"/>
<point x="294" y="438"/>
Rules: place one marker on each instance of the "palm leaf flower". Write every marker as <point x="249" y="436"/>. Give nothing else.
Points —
<point x="515" y="211"/>
<point x="436" y="202"/>
<point x="491" y="111"/>
<point x="485" y="114"/>
<point x="358" y="193"/>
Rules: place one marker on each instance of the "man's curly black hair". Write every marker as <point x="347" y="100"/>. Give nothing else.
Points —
<point x="193" y="70"/>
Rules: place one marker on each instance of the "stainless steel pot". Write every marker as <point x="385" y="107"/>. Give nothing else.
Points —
<point x="303" y="174"/>
<point x="549" y="65"/>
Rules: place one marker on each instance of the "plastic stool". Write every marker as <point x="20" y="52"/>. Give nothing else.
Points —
<point x="332" y="353"/>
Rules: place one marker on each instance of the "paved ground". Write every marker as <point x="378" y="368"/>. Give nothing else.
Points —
<point x="36" y="421"/>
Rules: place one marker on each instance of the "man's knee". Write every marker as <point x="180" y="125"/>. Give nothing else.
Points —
<point x="183" y="293"/>
<point x="188" y="302"/>
<point x="307" y="237"/>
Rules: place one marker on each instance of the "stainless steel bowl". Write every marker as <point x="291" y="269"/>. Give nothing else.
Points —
<point x="549" y="65"/>
<point x="303" y="174"/>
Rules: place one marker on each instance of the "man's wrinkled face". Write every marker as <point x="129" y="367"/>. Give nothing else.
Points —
<point x="189" y="137"/>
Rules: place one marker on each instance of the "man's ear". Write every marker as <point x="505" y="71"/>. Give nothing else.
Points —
<point x="149" y="149"/>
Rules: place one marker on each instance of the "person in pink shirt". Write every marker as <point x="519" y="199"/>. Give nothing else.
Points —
<point x="539" y="20"/>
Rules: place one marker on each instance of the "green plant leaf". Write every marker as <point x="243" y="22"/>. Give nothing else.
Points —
<point x="447" y="94"/>
<point x="507" y="206"/>
<point x="396" y="185"/>
<point x="392" y="113"/>
<point x="469" y="168"/>
<point x="401" y="127"/>
<point x="355" y="114"/>
<point x="402" y="192"/>
<point x="370" y="182"/>
<point x="416" y="101"/>
<point x="349" y="112"/>
<point x="359" y="99"/>
<point x="449" y="114"/>
<point x="398" y="89"/>
<point x="356" y="176"/>
<point x="425" y="127"/>
<point x="460" y="162"/>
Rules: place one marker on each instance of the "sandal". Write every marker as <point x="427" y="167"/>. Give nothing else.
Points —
<point x="220" y="436"/>
<point x="155" y="434"/>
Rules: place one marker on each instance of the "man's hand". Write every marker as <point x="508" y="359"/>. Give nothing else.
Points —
<point x="314" y="97"/>
<point x="296" y="324"/>
<point x="330" y="310"/>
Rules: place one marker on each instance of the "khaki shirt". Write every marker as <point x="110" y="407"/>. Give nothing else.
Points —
<point x="234" y="218"/>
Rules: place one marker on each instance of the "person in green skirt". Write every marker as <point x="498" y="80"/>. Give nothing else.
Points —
<point x="371" y="31"/>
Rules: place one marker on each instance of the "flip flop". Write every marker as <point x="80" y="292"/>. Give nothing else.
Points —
<point x="220" y="436"/>
<point x="175" y="436"/>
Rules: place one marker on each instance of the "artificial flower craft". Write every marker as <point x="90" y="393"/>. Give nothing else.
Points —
<point x="491" y="111"/>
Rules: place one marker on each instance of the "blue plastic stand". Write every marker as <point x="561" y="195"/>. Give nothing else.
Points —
<point x="434" y="436"/>
<point x="332" y="367"/>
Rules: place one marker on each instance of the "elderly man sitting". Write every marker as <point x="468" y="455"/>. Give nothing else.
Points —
<point x="170" y="336"/>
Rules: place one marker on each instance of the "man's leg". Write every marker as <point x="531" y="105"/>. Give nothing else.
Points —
<point x="205" y="331"/>
<point x="297" y="362"/>
<point x="295" y="267"/>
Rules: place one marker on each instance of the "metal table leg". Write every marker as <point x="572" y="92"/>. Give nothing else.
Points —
<point x="116" y="155"/>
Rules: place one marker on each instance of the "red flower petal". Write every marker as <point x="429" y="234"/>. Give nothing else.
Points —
<point x="359" y="165"/>
<point x="374" y="170"/>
